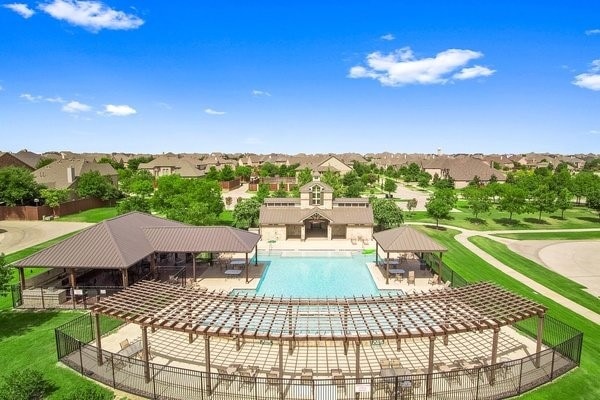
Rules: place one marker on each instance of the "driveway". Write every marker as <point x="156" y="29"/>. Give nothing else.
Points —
<point x="235" y="193"/>
<point x="19" y="235"/>
<point x="405" y="193"/>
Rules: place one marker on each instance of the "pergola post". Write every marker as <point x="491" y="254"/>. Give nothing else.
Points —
<point x="494" y="360"/>
<point x="256" y="255"/>
<point x="125" y="277"/>
<point x="430" y="365"/>
<point x="387" y="268"/>
<point x="145" y="355"/>
<point x="246" y="266"/>
<point x="153" y="268"/>
<point x="290" y="329"/>
<point x="22" y="277"/>
<point x="440" y="266"/>
<point x="207" y="363"/>
<point x="540" y="337"/>
<point x="98" y="338"/>
<point x="281" y="369"/>
<point x="376" y="253"/>
<point x="357" y="360"/>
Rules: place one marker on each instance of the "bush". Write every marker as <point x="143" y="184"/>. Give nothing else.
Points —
<point x="25" y="384"/>
<point x="89" y="393"/>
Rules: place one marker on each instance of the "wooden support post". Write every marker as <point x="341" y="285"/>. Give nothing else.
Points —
<point x="387" y="268"/>
<point x="357" y="360"/>
<point x="73" y="281"/>
<point x="21" y="277"/>
<point x="281" y="369"/>
<point x="445" y="340"/>
<point x="440" y="265"/>
<point x="376" y="253"/>
<point x="145" y="353"/>
<point x="345" y="347"/>
<point x="246" y="266"/>
<point x="98" y="338"/>
<point x="430" y="365"/>
<point x="398" y="344"/>
<point x="153" y="267"/>
<point x="207" y="363"/>
<point x="494" y="360"/>
<point x="540" y="337"/>
<point x="290" y="329"/>
<point x="190" y="338"/>
<point x="194" y="267"/>
<point x="255" y="255"/>
<point x="125" y="277"/>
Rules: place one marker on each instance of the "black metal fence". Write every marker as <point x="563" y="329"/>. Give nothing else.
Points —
<point x="157" y="381"/>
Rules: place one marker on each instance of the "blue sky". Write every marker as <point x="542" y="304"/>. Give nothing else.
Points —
<point x="301" y="76"/>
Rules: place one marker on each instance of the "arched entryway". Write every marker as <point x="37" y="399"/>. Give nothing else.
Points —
<point x="316" y="226"/>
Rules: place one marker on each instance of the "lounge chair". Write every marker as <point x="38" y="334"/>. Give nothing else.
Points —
<point x="353" y="240"/>
<point x="272" y="380"/>
<point x="434" y="280"/>
<point x="411" y="278"/>
<point x="365" y="241"/>
<point x="223" y="377"/>
<point x="447" y="284"/>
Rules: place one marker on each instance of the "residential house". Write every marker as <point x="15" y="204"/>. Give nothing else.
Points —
<point x="171" y="165"/>
<point x="463" y="170"/>
<point x="63" y="174"/>
<point x="24" y="159"/>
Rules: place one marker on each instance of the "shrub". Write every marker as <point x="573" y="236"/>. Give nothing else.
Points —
<point x="25" y="384"/>
<point x="89" y="393"/>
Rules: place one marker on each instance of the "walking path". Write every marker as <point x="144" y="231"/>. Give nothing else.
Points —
<point x="463" y="238"/>
<point x="19" y="235"/>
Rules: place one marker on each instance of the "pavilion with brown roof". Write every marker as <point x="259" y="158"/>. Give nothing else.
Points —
<point x="405" y="239"/>
<point x="122" y="242"/>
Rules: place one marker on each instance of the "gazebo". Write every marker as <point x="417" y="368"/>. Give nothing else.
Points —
<point x="122" y="242"/>
<point x="404" y="239"/>
<point x="432" y="314"/>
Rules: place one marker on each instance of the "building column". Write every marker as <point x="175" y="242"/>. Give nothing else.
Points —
<point x="303" y="231"/>
<point x="125" y="277"/>
<point x="73" y="282"/>
<point x="540" y="337"/>
<point x="98" y="338"/>
<point x="153" y="267"/>
<point x="329" y="230"/>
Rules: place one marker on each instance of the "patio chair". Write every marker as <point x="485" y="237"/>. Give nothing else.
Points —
<point x="114" y="363"/>
<point x="411" y="278"/>
<point x="384" y="364"/>
<point x="339" y="381"/>
<point x="353" y="240"/>
<point x="307" y="377"/>
<point x="395" y="363"/>
<point x="447" y="285"/>
<point x="223" y="377"/>
<point x="124" y="344"/>
<point x="272" y="380"/>
<point x="434" y="280"/>
<point x="247" y="377"/>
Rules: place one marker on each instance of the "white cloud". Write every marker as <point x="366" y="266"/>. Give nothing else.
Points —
<point x="259" y="93"/>
<point x="1" y="88"/>
<point x="388" y="36"/>
<point x="214" y="112"/>
<point x="20" y="8"/>
<point x="54" y="100"/>
<point x="30" y="97"/>
<point x="591" y="32"/>
<point x="591" y="79"/>
<point x="92" y="15"/>
<point x="403" y="68"/>
<point x="118" y="111"/>
<point x="75" y="107"/>
<point x="594" y="132"/>
<point x="473" y="72"/>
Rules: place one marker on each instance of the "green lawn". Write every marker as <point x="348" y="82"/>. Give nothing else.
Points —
<point x="93" y="215"/>
<point x="27" y="340"/>
<point x="552" y="280"/>
<point x="577" y="217"/>
<point x="589" y="235"/>
<point x="226" y="218"/>
<point x="579" y="384"/>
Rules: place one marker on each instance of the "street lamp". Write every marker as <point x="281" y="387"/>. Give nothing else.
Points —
<point x="36" y="201"/>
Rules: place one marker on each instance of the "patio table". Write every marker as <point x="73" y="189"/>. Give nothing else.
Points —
<point x="237" y="262"/>
<point x="132" y="350"/>
<point x="233" y="272"/>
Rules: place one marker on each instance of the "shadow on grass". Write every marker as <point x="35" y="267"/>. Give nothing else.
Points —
<point x="558" y="218"/>
<point x="437" y="228"/>
<point x="536" y="221"/>
<point x="18" y="323"/>
<point x="590" y="219"/>
<point x="515" y="223"/>
<point x="477" y="221"/>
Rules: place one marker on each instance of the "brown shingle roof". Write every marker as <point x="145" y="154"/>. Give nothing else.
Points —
<point x="295" y="215"/>
<point x="406" y="238"/>
<point x="190" y="239"/>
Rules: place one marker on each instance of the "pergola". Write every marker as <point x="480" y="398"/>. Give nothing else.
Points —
<point x="121" y="242"/>
<point x="433" y="314"/>
<point x="402" y="240"/>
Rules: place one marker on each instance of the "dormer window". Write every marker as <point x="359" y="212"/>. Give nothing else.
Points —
<point x="316" y="199"/>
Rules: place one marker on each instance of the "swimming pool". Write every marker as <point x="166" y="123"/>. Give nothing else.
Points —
<point x="317" y="277"/>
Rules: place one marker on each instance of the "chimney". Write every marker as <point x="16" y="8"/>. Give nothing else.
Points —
<point x="70" y="174"/>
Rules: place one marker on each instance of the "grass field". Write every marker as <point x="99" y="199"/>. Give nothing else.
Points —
<point x="93" y="215"/>
<point x="589" y="235"/>
<point x="27" y="340"/>
<point x="579" y="384"/>
<point x="577" y="217"/>
<point x="552" y="280"/>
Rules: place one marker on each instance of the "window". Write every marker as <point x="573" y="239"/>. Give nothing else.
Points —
<point x="316" y="196"/>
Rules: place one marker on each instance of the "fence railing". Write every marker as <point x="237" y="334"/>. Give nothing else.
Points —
<point x="497" y="381"/>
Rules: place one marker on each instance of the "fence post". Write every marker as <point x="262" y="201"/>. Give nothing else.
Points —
<point x="112" y="368"/>
<point x="552" y="365"/>
<point x="477" y="387"/>
<point x="153" y="381"/>
<point x="520" y="377"/>
<point x="80" y="357"/>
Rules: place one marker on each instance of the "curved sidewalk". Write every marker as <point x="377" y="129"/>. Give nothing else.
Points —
<point x="463" y="238"/>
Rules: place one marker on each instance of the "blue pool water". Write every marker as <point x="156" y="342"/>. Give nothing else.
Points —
<point x="317" y="277"/>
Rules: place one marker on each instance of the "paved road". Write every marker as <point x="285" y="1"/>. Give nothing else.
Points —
<point x="463" y="238"/>
<point x="234" y="194"/>
<point x="18" y="235"/>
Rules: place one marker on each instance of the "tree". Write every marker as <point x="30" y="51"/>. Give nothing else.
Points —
<point x="244" y="172"/>
<point x="423" y="179"/>
<point x="43" y="162"/>
<point x="54" y="197"/>
<point x="350" y="178"/>
<point x="5" y="273"/>
<point x="411" y="174"/>
<point x="355" y="189"/>
<point x="226" y="173"/>
<point x="593" y="200"/>
<point x="446" y="183"/>
<point x="134" y="203"/>
<point x="390" y="186"/>
<point x="134" y="163"/>
<point x="543" y="200"/>
<point x="563" y="201"/>
<point x="440" y="203"/>
<point x="513" y="200"/>
<point x="268" y="169"/>
<point x="386" y="213"/>
<point x="281" y="192"/>
<point x="115" y="164"/>
<point x="139" y="182"/>
<point x="582" y="183"/>
<point x="305" y="176"/>
<point x="92" y="184"/>
<point x="411" y="204"/>
<point x="478" y="199"/>
<point x="17" y="186"/>
<point x="263" y="192"/>
<point x="246" y="212"/>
